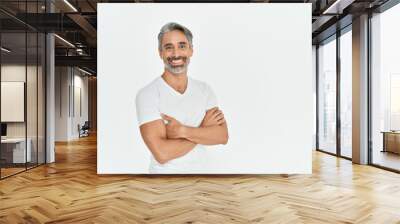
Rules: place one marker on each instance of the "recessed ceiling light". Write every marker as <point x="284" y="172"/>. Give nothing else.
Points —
<point x="337" y="7"/>
<point x="84" y="71"/>
<point x="70" y="5"/>
<point x="64" y="40"/>
<point x="5" y="50"/>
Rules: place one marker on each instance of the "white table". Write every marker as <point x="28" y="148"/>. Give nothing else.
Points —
<point x="19" y="149"/>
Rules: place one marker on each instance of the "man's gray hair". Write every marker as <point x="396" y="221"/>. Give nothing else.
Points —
<point x="171" y="27"/>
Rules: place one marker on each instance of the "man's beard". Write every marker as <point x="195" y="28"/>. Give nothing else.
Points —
<point x="176" y="69"/>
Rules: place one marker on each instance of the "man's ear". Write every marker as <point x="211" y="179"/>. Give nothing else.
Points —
<point x="191" y="51"/>
<point x="159" y="53"/>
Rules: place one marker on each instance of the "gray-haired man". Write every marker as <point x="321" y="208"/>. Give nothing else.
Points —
<point x="187" y="105"/>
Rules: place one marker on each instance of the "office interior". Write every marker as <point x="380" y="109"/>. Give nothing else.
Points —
<point x="49" y="92"/>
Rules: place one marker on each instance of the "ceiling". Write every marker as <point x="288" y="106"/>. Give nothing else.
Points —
<point x="76" y="22"/>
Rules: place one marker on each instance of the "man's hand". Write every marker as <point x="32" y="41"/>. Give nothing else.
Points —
<point x="212" y="131"/>
<point x="213" y="117"/>
<point x="174" y="128"/>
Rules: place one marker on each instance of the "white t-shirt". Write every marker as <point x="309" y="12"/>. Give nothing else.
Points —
<point x="188" y="108"/>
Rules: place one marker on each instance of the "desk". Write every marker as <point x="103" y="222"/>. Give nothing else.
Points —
<point x="15" y="148"/>
<point x="391" y="141"/>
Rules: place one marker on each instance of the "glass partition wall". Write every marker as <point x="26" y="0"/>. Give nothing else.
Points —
<point x="22" y="88"/>
<point x="334" y="105"/>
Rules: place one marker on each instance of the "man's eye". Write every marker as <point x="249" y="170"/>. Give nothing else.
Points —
<point x="182" y="46"/>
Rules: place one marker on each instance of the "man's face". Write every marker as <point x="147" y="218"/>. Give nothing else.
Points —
<point x="175" y="52"/>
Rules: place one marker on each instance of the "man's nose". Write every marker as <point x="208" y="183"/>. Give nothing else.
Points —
<point x="174" y="52"/>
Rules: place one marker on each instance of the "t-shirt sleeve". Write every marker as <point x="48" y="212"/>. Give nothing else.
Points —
<point x="211" y="98"/>
<point x="147" y="106"/>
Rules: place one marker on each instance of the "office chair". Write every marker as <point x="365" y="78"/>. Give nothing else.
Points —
<point x="84" y="130"/>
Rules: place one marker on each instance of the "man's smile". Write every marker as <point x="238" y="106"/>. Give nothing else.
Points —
<point x="179" y="61"/>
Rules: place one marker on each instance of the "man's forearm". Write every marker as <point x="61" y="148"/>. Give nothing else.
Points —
<point x="212" y="135"/>
<point x="169" y="149"/>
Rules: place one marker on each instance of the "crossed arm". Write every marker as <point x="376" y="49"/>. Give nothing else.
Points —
<point x="173" y="140"/>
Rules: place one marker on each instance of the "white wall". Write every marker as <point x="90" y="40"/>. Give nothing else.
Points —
<point x="314" y="86"/>
<point x="80" y="84"/>
<point x="68" y="81"/>
<point x="15" y="72"/>
<point x="61" y="103"/>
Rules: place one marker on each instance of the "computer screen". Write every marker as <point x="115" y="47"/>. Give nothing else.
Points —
<point x="3" y="129"/>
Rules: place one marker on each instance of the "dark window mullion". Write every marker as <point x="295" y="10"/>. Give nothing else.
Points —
<point x="26" y="117"/>
<point x="26" y="86"/>
<point x="338" y="98"/>
<point x="37" y="90"/>
<point x="317" y="95"/>
<point x="369" y="90"/>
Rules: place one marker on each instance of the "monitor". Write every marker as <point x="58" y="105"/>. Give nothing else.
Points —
<point x="3" y="129"/>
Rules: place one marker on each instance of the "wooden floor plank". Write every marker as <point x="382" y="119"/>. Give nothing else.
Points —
<point x="70" y="191"/>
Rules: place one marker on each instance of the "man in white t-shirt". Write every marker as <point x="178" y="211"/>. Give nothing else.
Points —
<point x="177" y="114"/>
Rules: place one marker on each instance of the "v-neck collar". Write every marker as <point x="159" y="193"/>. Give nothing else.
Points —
<point x="173" y="90"/>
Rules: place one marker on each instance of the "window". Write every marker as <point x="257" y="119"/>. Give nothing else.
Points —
<point x="346" y="93"/>
<point x="385" y="89"/>
<point x="327" y="96"/>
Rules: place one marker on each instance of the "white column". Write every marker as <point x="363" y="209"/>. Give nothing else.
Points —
<point x="50" y="92"/>
<point x="360" y="90"/>
<point x="50" y="100"/>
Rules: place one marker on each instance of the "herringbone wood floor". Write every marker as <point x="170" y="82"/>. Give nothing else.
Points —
<point x="70" y="191"/>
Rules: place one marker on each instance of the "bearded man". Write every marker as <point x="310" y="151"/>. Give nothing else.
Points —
<point x="177" y="114"/>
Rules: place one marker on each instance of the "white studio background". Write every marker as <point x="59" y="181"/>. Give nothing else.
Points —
<point x="257" y="59"/>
